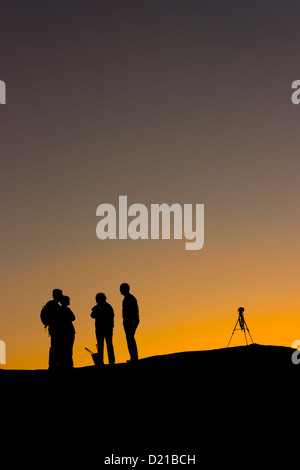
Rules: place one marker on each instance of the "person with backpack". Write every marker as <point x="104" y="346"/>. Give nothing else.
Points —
<point x="103" y="314"/>
<point x="50" y="314"/>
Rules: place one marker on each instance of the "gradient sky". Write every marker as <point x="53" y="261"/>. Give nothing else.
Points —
<point x="163" y="101"/>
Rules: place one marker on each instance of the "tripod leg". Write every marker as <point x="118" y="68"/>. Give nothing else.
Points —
<point x="245" y="337"/>
<point x="230" y="339"/>
<point x="250" y="335"/>
<point x="232" y="334"/>
<point x="249" y="332"/>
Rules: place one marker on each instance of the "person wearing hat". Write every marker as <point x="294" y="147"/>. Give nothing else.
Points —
<point x="103" y="314"/>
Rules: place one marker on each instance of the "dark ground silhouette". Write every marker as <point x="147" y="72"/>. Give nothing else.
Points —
<point x="235" y="406"/>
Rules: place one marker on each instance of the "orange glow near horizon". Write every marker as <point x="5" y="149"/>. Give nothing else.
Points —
<point x="176" y="315"/>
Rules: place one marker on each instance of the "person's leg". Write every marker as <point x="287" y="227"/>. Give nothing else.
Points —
<point x="63" y="351"/>
<point x="52" y="361"/>
<point x="110" y="347"/>
<point x="100" y="343"/>
<point x="131" y="343"/>
<point x="53" y="353"/>
<point x="69" y="351"/>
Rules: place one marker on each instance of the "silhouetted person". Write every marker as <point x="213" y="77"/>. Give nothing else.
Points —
<point x="130" y="311"/>
<point x="65" y="334"/>
<point x="49" y="316"/>
<point x="104" y="324"/>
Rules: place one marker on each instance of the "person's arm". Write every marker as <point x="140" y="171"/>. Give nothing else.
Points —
<point x="112" y="316"/>
<point x="135" y="309"/>
<point x="93" y="314"/>
<point x="72" y="316"/>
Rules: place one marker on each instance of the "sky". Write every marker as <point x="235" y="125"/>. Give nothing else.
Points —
<point x="164" y="101"/>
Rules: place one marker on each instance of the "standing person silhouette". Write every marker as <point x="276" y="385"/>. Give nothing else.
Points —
<point x="49" y="317"/>
<point x="104" y="324"/>
<point x="66" y="334"/>
<point x="131" y="320"/>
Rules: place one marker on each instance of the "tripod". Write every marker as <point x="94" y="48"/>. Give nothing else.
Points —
<point x="243" y="326"/>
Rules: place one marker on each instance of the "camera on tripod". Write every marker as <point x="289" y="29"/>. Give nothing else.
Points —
<point x="241" y="318"/>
